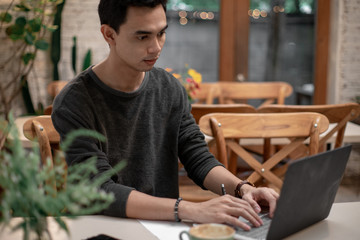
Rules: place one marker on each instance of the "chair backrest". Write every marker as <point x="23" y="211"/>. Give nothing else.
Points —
<point x="207" y="93"/>
<point x="42" y="130"/>
<point x="53" y="90"/>
<point x="270" y="92"/>
<point x="199" y="110"/>
<point x="55" y="87"/>
<point x="336" y="113"/>
<point x="227" y="128"/>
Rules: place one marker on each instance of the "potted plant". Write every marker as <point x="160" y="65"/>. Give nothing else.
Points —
<point x="24" y="192"/>
<point x="189" y="78"/>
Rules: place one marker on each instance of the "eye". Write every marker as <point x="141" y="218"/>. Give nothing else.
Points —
<point x="161" y="33"/>
<point x="142" y="37"/>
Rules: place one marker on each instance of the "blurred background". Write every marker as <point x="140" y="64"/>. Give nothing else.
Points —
<point x="311" y="44"/>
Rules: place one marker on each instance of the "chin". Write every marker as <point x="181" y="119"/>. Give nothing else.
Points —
<point x="145" y="69"/>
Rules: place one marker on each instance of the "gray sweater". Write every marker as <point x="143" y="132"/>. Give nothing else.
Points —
<point x="150" y="128"/>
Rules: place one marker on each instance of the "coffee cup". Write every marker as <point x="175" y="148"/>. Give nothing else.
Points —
<point x="209" y="231"/>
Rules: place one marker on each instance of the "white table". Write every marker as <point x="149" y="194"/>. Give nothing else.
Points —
<point x="342" y="223"/>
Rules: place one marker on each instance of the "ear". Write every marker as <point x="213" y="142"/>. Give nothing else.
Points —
<point x="108" y="34"/>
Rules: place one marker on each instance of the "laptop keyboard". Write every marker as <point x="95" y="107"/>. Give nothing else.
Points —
<point x="255" y="232"/>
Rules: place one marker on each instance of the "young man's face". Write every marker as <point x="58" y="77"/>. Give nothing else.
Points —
<point x="141" y="38"/>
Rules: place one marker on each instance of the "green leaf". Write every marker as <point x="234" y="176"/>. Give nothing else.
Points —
<point x="51" y="28"/>
<point x="29" y="38"/>
<point x="57" y="2"/>
<point x="80" y="133"/>
<point x="28" y="57"/>
<point x="87" y="60"/>
<point x="15" y="37"/>
<point x="42" y="44"/>
<point x="21" y="21"/>
<point x="39" y="10"/>
<point x="62" y="224"/>
<point x="15" y="32"/>
<point x="35" y="24"/>
<point x="22" y="7"/>
<point x="15" y="29"/>
<point x="73" y="54"/>
<point x="5" y="17"/>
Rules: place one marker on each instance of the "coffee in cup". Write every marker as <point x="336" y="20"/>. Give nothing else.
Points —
<point x="209" y="231"/>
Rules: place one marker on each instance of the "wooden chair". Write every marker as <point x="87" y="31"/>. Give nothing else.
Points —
<point x="337" y="114"/>
<point x="225" y="127"/>
<point x="188" y="190"/>
<point x="55" y="87"/>
<point x="207" y="93"/>
<point x="270" y="92"/>
<point x="53" y="90"/>
<point x="42" y="130"/>
<point x="199" y="110"/>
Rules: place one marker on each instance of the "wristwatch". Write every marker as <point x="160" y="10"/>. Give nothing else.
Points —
<point x="238" y="187"/>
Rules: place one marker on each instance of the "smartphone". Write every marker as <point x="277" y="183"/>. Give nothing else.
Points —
<point x="102" y="237"/>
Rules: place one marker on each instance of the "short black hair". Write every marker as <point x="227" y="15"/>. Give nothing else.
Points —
<point x="113" y="12"/>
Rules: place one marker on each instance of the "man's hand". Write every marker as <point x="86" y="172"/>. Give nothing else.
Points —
<point x="260" y="196"/>
<point x="227" y="209"/>
<point x="224" y="209"/>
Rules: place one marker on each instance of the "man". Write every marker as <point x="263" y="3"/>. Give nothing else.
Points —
<point x="144" y="113"/>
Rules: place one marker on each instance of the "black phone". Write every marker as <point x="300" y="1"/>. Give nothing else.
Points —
<point x="102" y="237"/>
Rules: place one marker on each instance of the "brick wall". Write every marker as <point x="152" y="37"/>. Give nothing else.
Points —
<point x="80" y="19"/>
<point x="344" y="70"/>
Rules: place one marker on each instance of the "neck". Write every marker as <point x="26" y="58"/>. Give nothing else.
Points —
<point x="119" y="78"/>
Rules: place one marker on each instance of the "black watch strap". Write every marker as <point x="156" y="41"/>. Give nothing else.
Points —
<point x="238" y="187"/>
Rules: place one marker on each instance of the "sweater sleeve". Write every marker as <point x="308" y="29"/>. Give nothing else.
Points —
<point x="193" y="151"/>
<point x="72" y="112"/>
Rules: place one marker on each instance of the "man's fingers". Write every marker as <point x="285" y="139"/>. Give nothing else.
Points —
<point x="237" y="223"/>
<point x="245" y="211"/>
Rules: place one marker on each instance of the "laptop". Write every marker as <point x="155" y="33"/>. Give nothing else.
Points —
<point x="306" y="197"/>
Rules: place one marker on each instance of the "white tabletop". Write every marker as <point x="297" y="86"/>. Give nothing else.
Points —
<point x="342" y="223"/>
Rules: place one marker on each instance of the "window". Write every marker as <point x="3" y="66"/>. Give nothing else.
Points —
<point x="192" y="37"/>
<point x="282" y="44"/>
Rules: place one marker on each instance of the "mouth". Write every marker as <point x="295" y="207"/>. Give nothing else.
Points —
<point x="151" y="61"/>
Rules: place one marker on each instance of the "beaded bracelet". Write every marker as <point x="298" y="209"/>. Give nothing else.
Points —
<point x="176" y="208"/>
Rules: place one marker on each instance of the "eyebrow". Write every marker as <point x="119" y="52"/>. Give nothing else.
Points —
<point x="141" y="32"/>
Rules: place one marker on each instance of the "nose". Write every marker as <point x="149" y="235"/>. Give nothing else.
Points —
<point x="156" y="46"/>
